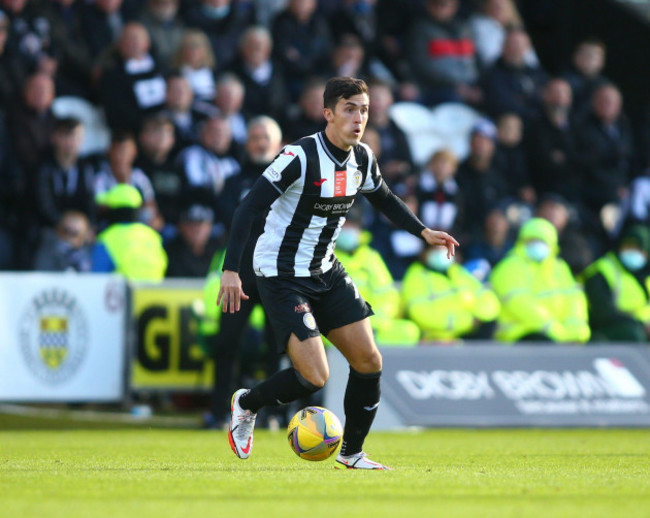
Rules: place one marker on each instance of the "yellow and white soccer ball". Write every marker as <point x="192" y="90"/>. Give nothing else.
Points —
<point x="315" y="433"/>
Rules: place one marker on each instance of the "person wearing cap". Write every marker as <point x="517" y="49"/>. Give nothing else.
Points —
<point x="445" y="300"/>
<point x="126" y="246"/>
<point x="540" y="298"/>
<point x="191" y="252"/>
<point x="618" y="289"/>
<point x="374" y="281"/>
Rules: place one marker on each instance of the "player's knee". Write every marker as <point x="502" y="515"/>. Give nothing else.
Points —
<point x="315" y="378"/>
<point x="369" y="363"/>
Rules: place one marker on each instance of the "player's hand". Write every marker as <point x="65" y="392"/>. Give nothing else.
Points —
<point x="230" y="292"/>
<point x="438" y="237"/>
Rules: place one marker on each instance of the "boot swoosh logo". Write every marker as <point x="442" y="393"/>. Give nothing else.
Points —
<point x="248" y="446"/>
<point x="371" y="408"/>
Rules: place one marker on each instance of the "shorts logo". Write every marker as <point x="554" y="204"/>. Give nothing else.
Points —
<point x="302" y="308"/>
<point x="53" y="335"/>
<point x="309" y="321"/>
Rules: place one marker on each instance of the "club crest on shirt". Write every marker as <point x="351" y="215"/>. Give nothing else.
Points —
<point x="356" y="178"/>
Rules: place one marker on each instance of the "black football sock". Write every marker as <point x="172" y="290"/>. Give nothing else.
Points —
<point x="360" y="405"/>
<point x="281" y="388"/>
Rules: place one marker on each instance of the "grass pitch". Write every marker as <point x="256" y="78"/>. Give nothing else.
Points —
<point x="129" y="471"/>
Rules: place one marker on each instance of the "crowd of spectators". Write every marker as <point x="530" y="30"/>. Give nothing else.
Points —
<point x="178" y="81"/>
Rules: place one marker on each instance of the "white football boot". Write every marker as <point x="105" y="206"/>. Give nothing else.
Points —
<point x="359" y="461"/>
<point x="242" y="423"/>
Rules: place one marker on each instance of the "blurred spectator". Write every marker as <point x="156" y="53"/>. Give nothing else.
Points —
<point x="32" y="122"/>
<point x="230" y="102"/>
<point x="489" y="27"/>
<point x="511" y="84"/>
<point x="102" y="23"/>
<point x="126" y="246"/>
<point x="303" y="43"/>
<point x="64" y="182"/>
<point x="132" y="86"/>
<point x="575" y="249"/>
<point x="195" y="61"/>
<point x="155" y="159"/>
<point x="372" y="278"/>
<point x="606" y="148"/>
<point x="481" y="185"/>
<point x="190" y="253"/>
<point x="119" y="170"/>
<point x="348" y="59"/>
<point x="445" y="300"/>
<point x="356" y="17"/>
<point x="66" y="248"/>
<point x="551" y="145"/>
<point x="442" y="55"/>
<point x="12" y="71"/>
<point x="12" y="181"/>
<point x="183" y="112"/>
<point x="160" y="18"/>
<point x="540" y="298"/>
<point x="618" y="289"/>
<point x="495" y="242"/>
<point x="585" y="74"/>
<point x="206" y="167"/>
<point x="636" y="206"/>
<point x="510" y="157"/>
<point x="439" y="198"/>
<point x="396" y="160"/>
<point x="308" y="118"/>
<point x="391" y="41"/>
<point x="263" y="81"/>
<point x="224" y="21"/>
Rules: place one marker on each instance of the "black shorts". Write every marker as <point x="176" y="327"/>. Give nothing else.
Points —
<point x="309" y="306"/>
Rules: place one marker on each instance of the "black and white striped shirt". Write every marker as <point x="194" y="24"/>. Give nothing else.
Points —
<point x="317" y="191"/>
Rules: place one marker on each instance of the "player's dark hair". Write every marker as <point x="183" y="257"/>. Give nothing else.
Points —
<point x="66" y="124"/>
<point x="342" y="88"/>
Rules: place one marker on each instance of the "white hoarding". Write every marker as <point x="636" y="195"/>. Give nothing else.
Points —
<point x="62" y="337"/>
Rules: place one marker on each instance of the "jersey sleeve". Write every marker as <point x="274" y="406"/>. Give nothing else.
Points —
<point x="285" y="169"/>
<point x="373" y="178"/>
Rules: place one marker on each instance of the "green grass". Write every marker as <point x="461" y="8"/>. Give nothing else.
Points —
<point x="138" y="472"/>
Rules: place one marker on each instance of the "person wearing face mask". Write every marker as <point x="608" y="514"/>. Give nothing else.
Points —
<point x="541" y="300"/>
<point x="447" y="301"/>
<point x="375" y="284"/>
<point x="618" y="288"/>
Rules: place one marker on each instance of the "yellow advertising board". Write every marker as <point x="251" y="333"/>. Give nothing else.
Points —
<point x="167" y="355"/>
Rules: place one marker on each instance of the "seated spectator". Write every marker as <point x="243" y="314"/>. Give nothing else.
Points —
<point x="65" y="182"/>
<point x="224" y="21"/>
<point x="494" y="243"/>
<point x="540" y="298"/>
<point x="573" y="239"/>
<point x="585" y="74"/>
<point x="195" y="61"/>
<point x="447" y="301"/>
<point x="263" y="81"/>
<point x="481" y="184"/>
<point x="165" y="28"/>
<point x="13" y="71"/>
<point x="32" y="122"/>
<point x="191" y="252"/>
<point x="131" y="86"/>
<point x="511" y="84"/>
<point x="368" y="270"/>
<point x="155" y="159"/>
<point x="308" y="118"/>
<point x="606" y="150"/>
<point x="396" y="163"/>
<point x="302" y="42"/>
<point x="510" y="157"/>
<point x="126" y="246"/>
<point x="206" y="166"/>
<point x="348" y="58"/>
<point x="230" y="102"/>
<point x="439" y="198"/>
<point x="442" y="55"/>
<point x="636" y="205"/>
<point x="185" y="115"/>
<point x="67" y="248"/>
<point x="618" y="289"/>
<point x="551" y="145"/>
<point x="102" y="22"/>
<point x="118" y="169"/>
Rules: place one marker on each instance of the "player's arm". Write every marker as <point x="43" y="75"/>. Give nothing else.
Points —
<point x="384" y="200"/>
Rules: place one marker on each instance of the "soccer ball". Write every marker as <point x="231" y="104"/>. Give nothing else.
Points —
<point x="315" y="433"/>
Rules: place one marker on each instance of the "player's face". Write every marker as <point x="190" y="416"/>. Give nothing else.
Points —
<point x="348" y="121"/>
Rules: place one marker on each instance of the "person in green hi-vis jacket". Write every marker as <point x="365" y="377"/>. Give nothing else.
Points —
<point x="540" y="298"/>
